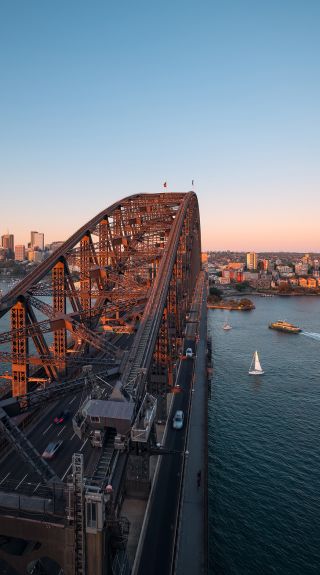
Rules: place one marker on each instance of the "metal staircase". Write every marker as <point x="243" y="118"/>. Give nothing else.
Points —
<point x="102" y="470"/>
<point x="78" y="501"/>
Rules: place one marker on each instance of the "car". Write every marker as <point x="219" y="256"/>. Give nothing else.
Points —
<point x="51" y="449"/>
<point x="62" y="416"/>
<point x="177" y="422"/>
<point x="189" y="352"/>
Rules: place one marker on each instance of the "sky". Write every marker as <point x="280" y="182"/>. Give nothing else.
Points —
<point x="103" y="99"/>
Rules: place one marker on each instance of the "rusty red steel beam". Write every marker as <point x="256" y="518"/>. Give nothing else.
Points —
<point x="140" y="356"/>
<point x="40" y="272"/>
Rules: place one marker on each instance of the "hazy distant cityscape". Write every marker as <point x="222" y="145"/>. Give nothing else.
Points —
<point x="18" y="258"/>
<point x="278" y="272"/>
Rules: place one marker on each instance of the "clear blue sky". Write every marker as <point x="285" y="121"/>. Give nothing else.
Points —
<point x="104" y="99"/>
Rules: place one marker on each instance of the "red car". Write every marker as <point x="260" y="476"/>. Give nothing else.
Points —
<point x="62" y="416"/>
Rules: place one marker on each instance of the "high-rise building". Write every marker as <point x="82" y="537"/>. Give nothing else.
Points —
<point x="19" y="253"/>
<point x="252" y="261"/>
<point x="37" y="240"/>
<point x="7" y="242"/>
<point x="265" y="265"/>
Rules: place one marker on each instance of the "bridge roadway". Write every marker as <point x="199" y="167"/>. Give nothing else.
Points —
<point x="156" y="558"/>
<point x="16" y="474"/>
<point x="158" y="546"/>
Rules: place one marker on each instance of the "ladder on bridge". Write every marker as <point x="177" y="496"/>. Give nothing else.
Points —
<point x="135" y="360"/>
<point x="19" y="441"/>
<point x="79" y="527"/>
<point x="102" y="470"/>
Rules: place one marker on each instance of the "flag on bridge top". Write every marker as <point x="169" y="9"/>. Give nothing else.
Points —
<point x="164" y="184"/>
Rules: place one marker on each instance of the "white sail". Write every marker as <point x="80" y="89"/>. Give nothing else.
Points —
<point x="255" y="367"/>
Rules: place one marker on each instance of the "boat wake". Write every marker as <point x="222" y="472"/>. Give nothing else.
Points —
<point x="315" y="336"/>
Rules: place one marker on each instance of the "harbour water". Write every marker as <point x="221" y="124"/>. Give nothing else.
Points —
<point x="264" y="446"/>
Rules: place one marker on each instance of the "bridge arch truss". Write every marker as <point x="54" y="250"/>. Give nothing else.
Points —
<point x="115" y="294"/>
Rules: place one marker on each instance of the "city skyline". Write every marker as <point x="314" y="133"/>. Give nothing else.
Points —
<point x="250" y="248"/>
<point x="225" y="95"/>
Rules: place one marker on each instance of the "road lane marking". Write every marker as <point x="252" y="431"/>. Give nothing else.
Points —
<point x="66" y="472"/>
<point x="72" y="400"/>
<point x="47" y="429"/>
<point x="61" y="430"/>
<point x="72" y="436"/>
<point x="82" y="446"/>
<point x="36" y="487"/>
<point x="22" y="480"/>
<point x="2" y="480"/>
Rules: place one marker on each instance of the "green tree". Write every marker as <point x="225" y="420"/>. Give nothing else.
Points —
<point x="242" y="286"/>
<point x="214" y="291"/>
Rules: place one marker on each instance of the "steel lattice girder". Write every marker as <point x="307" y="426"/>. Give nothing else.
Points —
<point x="116" y="275"/>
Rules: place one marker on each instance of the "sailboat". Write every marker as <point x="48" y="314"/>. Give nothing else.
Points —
<point x="255" y="367"/>
<point x="227" y="326"/>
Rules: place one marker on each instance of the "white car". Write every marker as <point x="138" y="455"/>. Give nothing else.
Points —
<point x="177" y="422"/>
<point x="51" y="449"/>
<point x="189" y="352"/>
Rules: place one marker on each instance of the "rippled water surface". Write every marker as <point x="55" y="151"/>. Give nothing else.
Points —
<point x="264" y="441"/>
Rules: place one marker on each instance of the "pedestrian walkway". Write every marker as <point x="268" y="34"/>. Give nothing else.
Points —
<point x="191" y="553"/>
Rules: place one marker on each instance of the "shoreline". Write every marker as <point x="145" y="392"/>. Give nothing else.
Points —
<point x="269" y="294"/>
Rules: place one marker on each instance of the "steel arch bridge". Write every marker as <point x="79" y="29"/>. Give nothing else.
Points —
<point x="113" y="300"/>
<point x="130" y="270"/>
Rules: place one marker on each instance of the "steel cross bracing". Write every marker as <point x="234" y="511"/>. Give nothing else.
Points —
<point x="114" y="278"/>
<point x="142" y="352"/>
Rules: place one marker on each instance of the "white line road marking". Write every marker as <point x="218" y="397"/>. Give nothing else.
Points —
<point x="22" y="480"/>
<point x="72" y="436"/>
<point x="61" y="430"/>
<point x="82" y="446"/>
<point x="66" y="472"/>
<point x="72" y="400"/>
<point x="36" y="488"/>
<point x="2" y="480"/>
<point x="45" y="431"/>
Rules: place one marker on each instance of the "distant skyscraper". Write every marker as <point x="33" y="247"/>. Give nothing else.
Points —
<point x="252" y="261"/>
<point x="19" y="253"/>
<point x="37" y="240"/>
<point x="7" y="242"/>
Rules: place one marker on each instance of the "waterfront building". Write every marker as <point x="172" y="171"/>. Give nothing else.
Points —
<point x="55" y="245"/>
<point x="7" y="242"/>
<point x="306" y="259"/>
<point x="301" y="269"/>
<point x="312" y="283"/>
<point x="19" y="253"/>
<point x="285" y="270"/>
<point x="303" y="282"/>
<point x="235" y="266"/>
<point x="250" y="276"/>
<point x="252" y="261"/>
<point x="37" y="240"/>
<point x="226" y="276"/>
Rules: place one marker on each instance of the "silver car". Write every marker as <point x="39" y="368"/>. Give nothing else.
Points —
<point x="177" y="422"/>
<point x="51" y="449"/>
